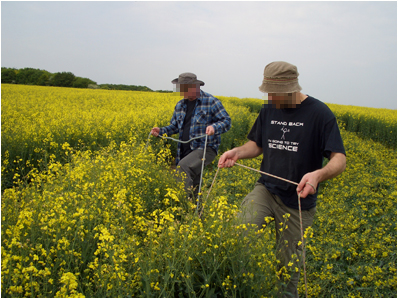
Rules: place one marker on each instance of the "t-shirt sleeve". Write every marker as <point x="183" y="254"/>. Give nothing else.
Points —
<point x="255" y="133"/>
<point x="332" y="141"/>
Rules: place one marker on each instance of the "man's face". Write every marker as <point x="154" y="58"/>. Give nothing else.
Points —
<point x="284" y="100"/>
<point x="189" y="91"/>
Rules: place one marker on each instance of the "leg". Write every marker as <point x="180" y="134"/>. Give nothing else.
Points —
<point x="288" y="250"/>
<point x="191" y="165"/>
<point x="256" y="206"/>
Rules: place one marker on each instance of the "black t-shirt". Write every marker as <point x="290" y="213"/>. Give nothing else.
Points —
<point x="186" y="147"/>
<point x="294" y="142"/>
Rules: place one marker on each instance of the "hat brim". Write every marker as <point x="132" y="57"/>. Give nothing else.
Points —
<point x="291" y="87"/>
<point x="175" y="81"/>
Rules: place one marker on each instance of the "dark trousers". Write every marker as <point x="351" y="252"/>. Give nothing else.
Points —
<point x="191" y="166"/>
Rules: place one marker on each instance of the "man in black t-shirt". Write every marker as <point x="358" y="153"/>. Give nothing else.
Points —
<point x="293" y="132"/>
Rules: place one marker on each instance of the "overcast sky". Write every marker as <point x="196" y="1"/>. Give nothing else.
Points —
<point x="345" y="52"/>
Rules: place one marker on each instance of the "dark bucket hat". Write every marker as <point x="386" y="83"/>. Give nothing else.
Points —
<point x="280" y="77"/>
<point x="187" y="78"/>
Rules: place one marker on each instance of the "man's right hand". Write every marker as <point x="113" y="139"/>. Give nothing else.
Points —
<point x="228" y="159"/>
<point x="247" y="151"/>
<point x="155" y="131"/>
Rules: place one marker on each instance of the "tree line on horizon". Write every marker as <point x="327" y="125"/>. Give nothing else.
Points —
<point x="32" y="76"/>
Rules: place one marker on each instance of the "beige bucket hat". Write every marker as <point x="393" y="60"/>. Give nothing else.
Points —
<point x="280" y="77"/>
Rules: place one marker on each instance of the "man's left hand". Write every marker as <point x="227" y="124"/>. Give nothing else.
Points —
<point x="210" y="130"/>
<point x="308" y="184"/>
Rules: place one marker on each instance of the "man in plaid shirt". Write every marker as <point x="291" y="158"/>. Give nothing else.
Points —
<point x="198" y="113"/>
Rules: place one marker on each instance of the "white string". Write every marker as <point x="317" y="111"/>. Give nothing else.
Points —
<point x="201" y="176"/>
<point x="203" y="160"/>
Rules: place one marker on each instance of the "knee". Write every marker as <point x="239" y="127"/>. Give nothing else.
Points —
<point x="183" y="166"/>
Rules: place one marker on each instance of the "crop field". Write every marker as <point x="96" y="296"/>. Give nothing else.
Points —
<point x="90" y="206"/>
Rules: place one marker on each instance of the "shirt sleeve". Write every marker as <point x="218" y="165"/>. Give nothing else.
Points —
<point x="173" y="127"/>
<point x="255" y="133"/>
<point x="221" y="117"/>
<point x="332" y="141"/>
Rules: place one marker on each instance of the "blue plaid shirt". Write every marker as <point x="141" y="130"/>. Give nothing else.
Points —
<point x="208" y="111"/>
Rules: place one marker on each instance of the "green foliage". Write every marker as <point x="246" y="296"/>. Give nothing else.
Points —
<point x="82" y="82"/>
<point x="31" y="76"/>
<point x="44" y="79"/>
<point x="64" y="79"/>
<point x="8" y="75"/>
<point x="124" y="87"/>
<point x="164" y="91"/>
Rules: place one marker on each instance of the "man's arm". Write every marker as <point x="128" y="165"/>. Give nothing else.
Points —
<point x="222" y="120"/>
<point x="246" y="151"/>
<point x="310" y="181"/>
<point x="173" y="127"/>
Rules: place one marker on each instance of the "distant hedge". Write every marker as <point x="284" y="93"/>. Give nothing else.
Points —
<point x="32" y="76"/>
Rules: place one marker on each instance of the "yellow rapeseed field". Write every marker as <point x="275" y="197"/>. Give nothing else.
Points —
<point x="89" y="211"/>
